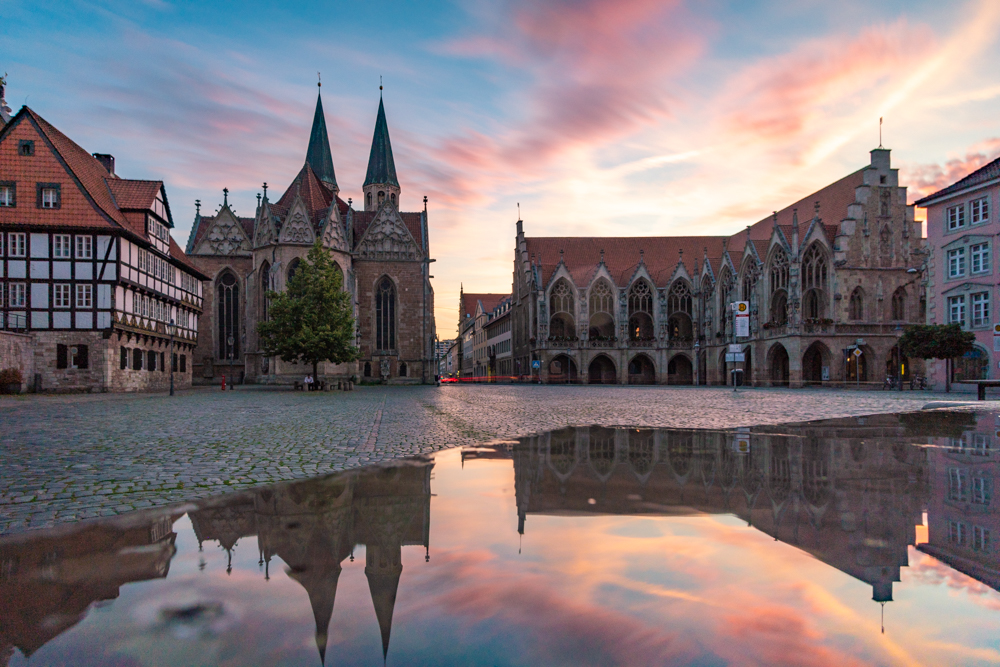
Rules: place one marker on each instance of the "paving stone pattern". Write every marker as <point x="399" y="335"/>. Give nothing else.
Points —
<point x="67" y="458"/>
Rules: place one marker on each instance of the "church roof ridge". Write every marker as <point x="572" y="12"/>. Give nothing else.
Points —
<point x="381" y="168"/>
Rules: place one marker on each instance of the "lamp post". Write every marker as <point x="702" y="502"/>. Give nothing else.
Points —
<point x="171" y="329"/>
<point x="229" y="344"/>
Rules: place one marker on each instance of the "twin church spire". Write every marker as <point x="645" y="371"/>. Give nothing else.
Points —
<point x="380" y="181"/>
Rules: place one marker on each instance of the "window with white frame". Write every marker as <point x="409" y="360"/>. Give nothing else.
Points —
<point x="981" y="444"/>
<point x="958" y="484"/>
<point x="17" y="295"/>
<point x="956" y="217"/>
<point x="84" y="296"/>
<point x="84" y="247"/>
<point x="50" y="198"/>
<point x="61" y="295"/>
<point x="980" y="309"/>
<point x="979" y="253"/>
<point x="61" y="246"/>
<point x="979" y="210"/>
<point x="956" y="263"/>
<point x="980" y="538"/>
<point x="17" y="244"/>
<point x="956" y="310"/>
<point x="957" y="533"/>
<point x="7" y="194"/>
<point x="981" y="490"/>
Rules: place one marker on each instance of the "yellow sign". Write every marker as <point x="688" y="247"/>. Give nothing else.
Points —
<point x="742" y="306"/>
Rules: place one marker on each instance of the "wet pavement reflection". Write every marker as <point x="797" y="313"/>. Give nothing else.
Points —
<point x="849" y="541"/>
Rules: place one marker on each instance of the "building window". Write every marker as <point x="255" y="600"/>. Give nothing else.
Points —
<point x="184" y="361"/>
<point x="368" y="365"/>
<point x="228" y="297"/>
<point x="981" y="490"/>
<point x="957" y="533"/>
<point x="17" y="244"/>
<point x="123" y="363"/>
<point x="956" y="217"/>
<point x="956" y="263"/>
<point x="973" y="365"/>
<point x="61" y="246"/>
<point x="137" y="359"/>
<point x="61" y="295"/>
<point x="48" y="195"/>
<point x="957" y="484"/>
<point x="980" y="254"/>
<point x="8" y="192"/>
<point x="980" y="210"/>
<point x="981" y="444"/>
<point x="956" y="310"/>
<point x="26" y="147"/>
<point x="899" y="304"/>
<point x="856" y="307"/>
<point x="78" y="356"/>
<point x="17" y="295"/>
<point x="385" y="315"/>
<point x="84" y="247"/>
<point x="980" y="309"/>
<point x="402" y="370"/>
<point x="84" y="296"/>
<point x="980" y="538"/>
<point x="150" y="360"/>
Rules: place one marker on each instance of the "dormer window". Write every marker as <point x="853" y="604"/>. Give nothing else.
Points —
<point x="8" y="189"/>
<point x="26" y="147"/>
<point x="48" y="195"/>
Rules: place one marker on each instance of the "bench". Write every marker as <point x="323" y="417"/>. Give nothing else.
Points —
<point x="981" y="386"/>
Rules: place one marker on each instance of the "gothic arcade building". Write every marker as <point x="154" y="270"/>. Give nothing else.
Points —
<point x="382" y="253"/>
<point x="838" y="270"/>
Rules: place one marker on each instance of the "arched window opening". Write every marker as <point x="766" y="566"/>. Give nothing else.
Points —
<point x="562" y="323"/>
<point x="779" y="308"/>
<point x="749" y="283"/>
<point x="973" y="365"/>
<point x="601" y="450"/>
<point x="812" y="305"/>
<point x="385" y="315"/>
<point x="369" y="200"/>
<point x="368" y="369"/>
<point x="293" y="266"/>
<point x="814" y="268"/>
<point x="392" y="197"/>
<point x="228" y="298"/>
<point x="402" y="370"/>
<point x="265" y="287"/>
<point x="381" y="197"/>
<point x="679" y="324"/>
<point x="602" y="307"/>
<point x="640" y="311"/>
<point x="899" y="304"/>
<point x="856" y="306"/>
<point x="779" y="270"/>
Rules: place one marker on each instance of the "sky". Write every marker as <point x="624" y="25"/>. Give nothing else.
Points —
<point x="597" y="117"/>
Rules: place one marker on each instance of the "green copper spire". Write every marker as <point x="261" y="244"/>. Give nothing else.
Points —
<point x="318" y="156"/>
<point x="381" y="168"/>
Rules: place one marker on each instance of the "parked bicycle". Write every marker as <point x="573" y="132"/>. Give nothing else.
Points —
<point x="890" y="382"/>
<point x="918" y="382"/>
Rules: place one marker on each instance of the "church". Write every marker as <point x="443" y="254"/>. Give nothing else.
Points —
<point x="382" y="253"/>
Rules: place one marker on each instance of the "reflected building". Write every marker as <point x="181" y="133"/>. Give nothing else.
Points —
<point x="48" y="583"/>
<point x="850" y="491"/>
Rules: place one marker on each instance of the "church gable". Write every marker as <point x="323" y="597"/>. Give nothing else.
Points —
<point x="334" y="234"/>
<point x="297" y="227"/>
<point x="225" y="236"/>
<point x="387" y="238"/>
<point x="265" y="232"/>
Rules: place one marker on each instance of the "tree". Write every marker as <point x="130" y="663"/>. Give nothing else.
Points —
<point x="311" y="321"/>
<point x="937" y="341"/>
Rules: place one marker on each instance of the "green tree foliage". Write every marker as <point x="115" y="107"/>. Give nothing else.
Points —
<point x="311" y="320"/>
<point x="936" y="341"/>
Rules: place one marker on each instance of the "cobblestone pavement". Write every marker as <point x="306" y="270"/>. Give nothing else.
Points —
<point x="66" y="458"/>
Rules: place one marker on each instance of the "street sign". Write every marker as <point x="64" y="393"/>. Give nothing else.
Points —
<point x="857" y="352"/>
<point x="741" y="441"/>
<point x="735" y="356"/>
<point x="996" y="337"/>
<point x="742" y="311"/>
<point x="536" y="364"/>
<point x="735" y="348"/>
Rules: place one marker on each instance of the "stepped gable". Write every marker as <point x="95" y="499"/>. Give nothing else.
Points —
<point x="982" y="175"/>
<point x="362" y="219"/>
<point x="660" y="254"/>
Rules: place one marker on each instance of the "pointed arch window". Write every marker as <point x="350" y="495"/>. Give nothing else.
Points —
<point x="265" y="287"/>
<point x="814" y="279"/>
<point x="562" y="322"/>
<point x="385" y="315"/>
<point x="293" y="266"/>
<point x="749" y="282"/>
<point x="779" y="270"/>
<point x="856" y="306"/>
<point x="602" y="308"/>
<point x="899" y="304"/>
<point x="679" y="324"/>
<point x="640" y="311"/>
<point x="227" y="295"/>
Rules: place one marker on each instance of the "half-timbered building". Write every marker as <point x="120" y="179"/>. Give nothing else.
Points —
<point x="88" y="268"/>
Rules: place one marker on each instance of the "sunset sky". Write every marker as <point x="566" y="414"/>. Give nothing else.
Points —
<point x="600" y="117"/>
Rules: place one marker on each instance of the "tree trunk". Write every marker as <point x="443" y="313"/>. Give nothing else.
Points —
<point x="316" y="372"/>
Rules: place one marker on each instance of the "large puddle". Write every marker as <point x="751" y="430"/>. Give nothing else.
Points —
<point x="869" y="540"/>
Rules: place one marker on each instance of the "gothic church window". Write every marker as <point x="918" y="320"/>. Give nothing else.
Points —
<point x="228" y="298"/>
<point x="602" y="304"/>
<point x="640" y="311"/>
<point x="899" y="304"/>
<point x="293" y="266"/>
<point x="679" y="325"/>
<point x="814" y="278"/>
<point x="385" y="315"/>
<point x="265" y="286"/>
<point x="562" y="322"/>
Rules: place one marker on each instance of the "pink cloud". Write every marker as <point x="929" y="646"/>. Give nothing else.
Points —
<point x="925" y="179"/>
<point x="927" y="570"/>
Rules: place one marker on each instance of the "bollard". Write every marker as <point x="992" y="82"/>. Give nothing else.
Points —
<point x="223" y="383"/>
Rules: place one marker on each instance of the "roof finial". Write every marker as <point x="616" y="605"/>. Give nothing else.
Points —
<point x="560" y="254"/>
<point x="775" y="218"/>
<point x="225" y="196"/>
<point x="258" y="200"/>
<point x="349" y="202"/>
<point x="380" y="86"/>
<point x="265" y="190"/>
<point x="197" y="206"/>
<point x="880" y="131"/>
<point x="602" y="255"/>
<point x="319" y="80"/>
<point x="641" y="255"/>
<point x="518" y="210"/>
<point x="816" y="208"/>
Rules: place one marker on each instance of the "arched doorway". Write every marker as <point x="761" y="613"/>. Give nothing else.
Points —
<point x="680" y="370"/>
<point x="641" y="370"/>
<point x="778" y="365"/>
<point x="816" y="357"/>
<point x="562" y="370"/>
<point x="602" y="371"/>
<point x="857" y="366"/>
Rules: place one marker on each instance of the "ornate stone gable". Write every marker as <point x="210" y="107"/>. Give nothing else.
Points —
<point x="387" y="238"/>
<point x="225" y="237"/>
<point x="297" y="227"/>
<point x="264" y="230"/>
<point x="334" y="235"/>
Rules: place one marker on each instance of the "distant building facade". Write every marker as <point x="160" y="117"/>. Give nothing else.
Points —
<point x="832" y="273"/>
<point x="498" y="347"/>
<point x="962" y="273"/>
<point x="382" y="253"/>
<point x="88" y="270"/>
<point x="474" y="311"/>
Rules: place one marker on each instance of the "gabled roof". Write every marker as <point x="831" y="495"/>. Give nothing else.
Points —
<point x="982" y="175"/>
<point x="362" y="219"/>
<point x="204" y="222"/>
<point x="381" y="168"/>
<point x="318" y="155"/>
<point x="470" y="301"/>
<point x="316" y="196"/>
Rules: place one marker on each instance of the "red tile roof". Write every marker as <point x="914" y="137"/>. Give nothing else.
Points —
<point x="178" y="254"/>
<point x="134" y="194"/>
<point x="316" y="196"/>
<point x="470" y="301"/>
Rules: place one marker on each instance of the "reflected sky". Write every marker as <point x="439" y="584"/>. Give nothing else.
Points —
<point x="778" y="545"/>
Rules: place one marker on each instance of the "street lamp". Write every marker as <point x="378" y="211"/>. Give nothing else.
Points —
<point x="171" y="330"/>
<point x="229" y="344"/>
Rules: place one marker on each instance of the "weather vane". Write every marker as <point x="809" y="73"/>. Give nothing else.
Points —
<point x="319" y="80"/>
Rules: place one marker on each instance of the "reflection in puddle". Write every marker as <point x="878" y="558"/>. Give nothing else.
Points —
<point x="632" y="546"/>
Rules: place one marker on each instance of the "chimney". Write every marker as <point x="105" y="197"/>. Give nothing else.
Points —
<point x="107" y="161"/>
